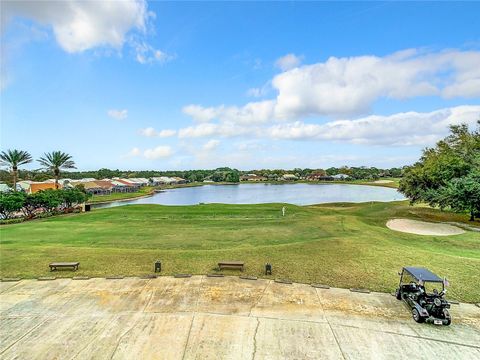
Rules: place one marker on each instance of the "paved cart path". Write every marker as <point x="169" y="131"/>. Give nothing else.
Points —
<point x="219" y="318"/>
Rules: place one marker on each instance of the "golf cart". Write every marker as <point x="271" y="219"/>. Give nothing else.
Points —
<point x="430" y="307"/>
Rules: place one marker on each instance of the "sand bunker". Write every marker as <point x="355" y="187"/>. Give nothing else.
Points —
<point x="423" y="228"/>
<point x="383" y="181"/>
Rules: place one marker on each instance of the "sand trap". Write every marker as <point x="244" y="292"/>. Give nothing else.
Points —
<point x="423" y="228"/>
<point x="383" y="181"/>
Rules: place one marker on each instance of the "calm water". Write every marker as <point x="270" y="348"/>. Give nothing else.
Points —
<point x="298" y="194"/>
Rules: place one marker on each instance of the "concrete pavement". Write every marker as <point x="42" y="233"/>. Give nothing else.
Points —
<point x="219" y="318"/>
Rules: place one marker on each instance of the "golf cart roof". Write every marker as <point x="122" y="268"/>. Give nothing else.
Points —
<point x="422" y="274"/>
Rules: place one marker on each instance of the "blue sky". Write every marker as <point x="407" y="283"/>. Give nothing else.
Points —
<point x="136" y="85"/>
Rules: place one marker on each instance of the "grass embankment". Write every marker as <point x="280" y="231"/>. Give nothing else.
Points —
<point x="144" y="191"/>
<point x="343" y="245"/>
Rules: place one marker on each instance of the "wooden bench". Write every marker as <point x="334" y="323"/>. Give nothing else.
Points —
<point x="55" y="265"/>
<point x="231" y="265"/>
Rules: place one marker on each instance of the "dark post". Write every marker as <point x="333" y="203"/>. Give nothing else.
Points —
<point x="158" y="266"/>
<point x="268" y="269"/>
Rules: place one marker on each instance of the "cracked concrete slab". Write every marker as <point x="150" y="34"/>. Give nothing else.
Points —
<point x="219" y="318"/>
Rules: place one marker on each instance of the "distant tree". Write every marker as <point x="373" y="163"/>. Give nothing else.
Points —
<point x="55" y="162"/>
<point x="31" y="204"/>
<point x="232" y="176"/>
<point x="50" y="199"/>
<point x="11" y="203"/>
<point x="72" y="197"/>
<point x="447" y="175"/>
<point x="13" y="159"/>
<point x="218" y="176"/>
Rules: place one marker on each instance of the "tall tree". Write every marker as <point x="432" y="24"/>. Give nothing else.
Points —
<point x="15" y="158"/>
<point x="448" y="174"/>
<point x="56" y="161"/>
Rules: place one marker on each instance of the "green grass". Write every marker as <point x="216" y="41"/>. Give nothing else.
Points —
<point x="144" y="191"/>
<point x="343" y="245"/>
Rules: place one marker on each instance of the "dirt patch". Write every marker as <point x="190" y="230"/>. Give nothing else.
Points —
<point x="423" y="228"/>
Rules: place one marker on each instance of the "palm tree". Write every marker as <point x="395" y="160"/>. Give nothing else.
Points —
<point x="56" y="161"/>
<point x="14" y="158"/>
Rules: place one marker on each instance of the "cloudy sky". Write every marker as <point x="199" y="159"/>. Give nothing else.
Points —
<point x="153" y="85"/>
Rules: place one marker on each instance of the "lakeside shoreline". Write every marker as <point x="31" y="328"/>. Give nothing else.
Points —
<point x="391" y="185"/>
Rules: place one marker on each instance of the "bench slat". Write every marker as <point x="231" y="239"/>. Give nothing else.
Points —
<point x="234" y="263"/>
<point x="64" y="264"/>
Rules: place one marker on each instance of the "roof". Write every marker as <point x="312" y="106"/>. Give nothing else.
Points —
<point x="340" y="176"/>
<point x="103" y="184"/>
<point x="87" y="185"/>
<point x="118" y="183"/>
<point x="423" y="274"/>
<point x="5" y="188"/>
<point x="125" y="182"/>
<point x="36" y="187"/>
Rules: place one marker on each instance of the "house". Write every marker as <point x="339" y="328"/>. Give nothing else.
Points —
<point x="252" y="177"/>
<point x="165" y="180"/>
<point x="5" y="188"/>
<point x="24" y="185"/>
<point x="138" y="181"/>
<point x="92" y="187"/>
<point x="40" y="186"/>
<point x="179" y="180"/>
<point x="120" y="187"/>
<point x="132" y="186"/>
<point x="141" y="181"/>
<point x="289" y="177"/>
<point x="340" y="177"/>
<point x="319" y="176"/>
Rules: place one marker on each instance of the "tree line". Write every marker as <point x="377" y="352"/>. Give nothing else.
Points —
<point x="43" y="203"/>
<point x="223" y="174"/>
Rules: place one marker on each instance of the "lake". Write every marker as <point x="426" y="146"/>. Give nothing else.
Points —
<point x="297" y="194"/>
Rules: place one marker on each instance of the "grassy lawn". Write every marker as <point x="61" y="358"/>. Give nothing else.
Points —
<point x="343" y="245"/>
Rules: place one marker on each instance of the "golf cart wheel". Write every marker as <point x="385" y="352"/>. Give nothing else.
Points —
<point x="417" y="317"/>
<point x="398" y="295"/>
<point x="447" y="317"/>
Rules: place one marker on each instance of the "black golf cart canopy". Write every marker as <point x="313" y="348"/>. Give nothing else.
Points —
<point x="423" y="274"/>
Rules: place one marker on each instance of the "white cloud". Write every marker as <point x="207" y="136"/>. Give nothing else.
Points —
<point x="409" y="128"/>
<point x="211" y="145"/>
<point x="209" y="129"/>
<point x="146" y="54"/>
<point x="259" y="91"/>
<point x="82" y="25"/>
<point x="200" y="113"/>
<point x="251" y="113"/>
<point x="151" y="132"/>
<point x="118" y="114"/>
<point x="288" y="62"/>
<point x="350" y="86"/>
<point x="134" y="152"/>
<point x="402" y="129"/>
<point x="345" y="86"/>
<point x="162" y="151"/>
